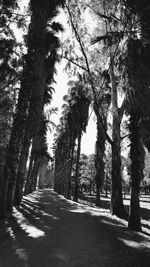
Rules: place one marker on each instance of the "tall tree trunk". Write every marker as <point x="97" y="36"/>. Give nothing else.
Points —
<point x="10" y="169"/>
<point x="39" y="23"/>
<point x="32" y="126"/>
<point x="34" y="176"/>
<point x="28" y="178"/>
<point x="106" y="186"/>
<point x="58" y="167"/>
<point x="137" y="164"/>
<point x="17" y="132"/>
<point x="34" y="157"/>
<point x="64" y="164"/>
<point x="20" y="180"/>
<point x="76" y="189"/>
<point x="99" y="161"/>
<point x="117" y="207"/>
<point x="69" y="165"/>
<point x="15" y="142"/>
<point x="70" y="170"/>
<point x="34" y="68"/>
<point x="3" y="197"/>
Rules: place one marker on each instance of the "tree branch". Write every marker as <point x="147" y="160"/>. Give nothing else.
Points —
<point x="124" y="136"/>
<point x="73" y="62"/>
<point x="103" y="16"/>
<point x="90" y="76"/>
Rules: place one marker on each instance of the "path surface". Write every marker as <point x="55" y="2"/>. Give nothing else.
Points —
<point x="50" y="231"/>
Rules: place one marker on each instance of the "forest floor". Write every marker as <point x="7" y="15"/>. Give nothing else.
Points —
<point x="49" y="231"/>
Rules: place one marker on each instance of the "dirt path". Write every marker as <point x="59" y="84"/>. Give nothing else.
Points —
<point x="49" y="231"/>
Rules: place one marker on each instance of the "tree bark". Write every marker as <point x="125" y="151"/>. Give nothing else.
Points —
<point x="106" y="186"/>
<point x="117" y="207"/>
<point x="34" y="176"/>
<point x="70" y="161"/>
<point x="137" y="154"/>
<point x="134" y="212"/>
<point x="20" y="180"/>
<point x="67" y="171"/>
<point x="99" y="161"/>
<point x="76" y="189"/>
<point x="28" y="178"/>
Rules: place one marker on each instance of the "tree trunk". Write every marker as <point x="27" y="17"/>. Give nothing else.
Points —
<point x="106" y="188"/>
<point x="34" y="176"/>
<point x="31" y="81"/>
<point x="15" y="142"/>
<point x="67" y="163"/>
<point x="69" y="193"/>
<point x="134" y="213"/>
<point x="137" y="154"/>
<point x="59" y="166"/>
<point x="34" y="156"/>
<point x="3" y="197"/>
<point x="71" y="153"/>
<point x="117" y="207"/>
<point x="99" y="161"/>
<point x="31" y="164"/>
<point x="21" y="172"/>
<point x="76" y="189"/>
<point x="9" y="175"/>
<point x="32" y="179"/>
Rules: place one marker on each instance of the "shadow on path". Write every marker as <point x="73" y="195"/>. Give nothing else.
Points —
<point x="50" y="231"/>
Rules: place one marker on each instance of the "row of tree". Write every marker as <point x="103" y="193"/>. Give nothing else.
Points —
<point x="73" y="123"/>
<point x="112" y="56"/>
<point x="110" y="59"/>
<point x="29" y="80"/>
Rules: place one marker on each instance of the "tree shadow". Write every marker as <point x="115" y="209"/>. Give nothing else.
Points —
<point x="105" y="204"/>
<point x="47" y="229"/>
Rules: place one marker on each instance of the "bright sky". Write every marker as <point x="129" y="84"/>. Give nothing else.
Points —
<point x="88" y="139"/>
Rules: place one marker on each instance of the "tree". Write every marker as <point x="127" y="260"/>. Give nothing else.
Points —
<point x="30" y="100"/>
<point x="10" y="69"/>
<point x="82" y="61"/>
<point x="38" y="151"/>
<point x="64" y="149"/>
<point x="113" y="30"/>
<point x="138" y="67"/>
<point x="80" y="110"/>
<point x="115" y="36"/>
<point x="108" y="170"/>
<point x="137" y="166"/>
<point x="63" y="163"/>
<point x="104" y="103"/>
<point x="146" y="181"/>
<point x="48" y="53"/>
<point x="73" y="122"/>
<point x="87" y="172"/>
<point x="9" y="73"/>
